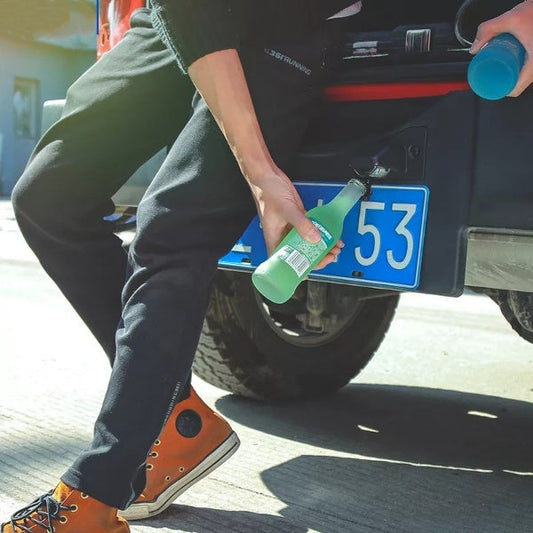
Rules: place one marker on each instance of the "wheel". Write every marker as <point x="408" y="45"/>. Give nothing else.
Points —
<point x="517" y="308"/>
<point x="309" y="347"/>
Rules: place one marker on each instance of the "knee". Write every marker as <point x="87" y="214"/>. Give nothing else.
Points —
<point x="31" y="201"/>
<point x="23" y="199"/>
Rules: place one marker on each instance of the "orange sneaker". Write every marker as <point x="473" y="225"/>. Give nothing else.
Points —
<point x="66" y="510"/>
<point x="194" y="441"/>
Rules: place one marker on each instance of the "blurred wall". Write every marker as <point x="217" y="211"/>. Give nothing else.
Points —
<point x="44" y="46"/>
<point x="30" y="68"/>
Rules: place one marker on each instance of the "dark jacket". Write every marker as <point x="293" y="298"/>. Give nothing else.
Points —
<point x="194" y="28"/>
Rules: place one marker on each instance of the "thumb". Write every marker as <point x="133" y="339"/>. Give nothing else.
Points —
<point x="485" y="33"/>
<point x="304" y="226"/>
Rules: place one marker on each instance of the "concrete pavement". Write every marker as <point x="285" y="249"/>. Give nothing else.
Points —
<point x="433" y="437"/>
<point x="13" y="248"/>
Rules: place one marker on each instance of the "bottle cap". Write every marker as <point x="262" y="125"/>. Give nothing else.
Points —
<point x="363" y="187"/>
<point x="493" y="79"/>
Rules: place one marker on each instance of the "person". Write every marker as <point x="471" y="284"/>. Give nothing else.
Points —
<point x="257" y="72"/>
<point x="255" y="76"/>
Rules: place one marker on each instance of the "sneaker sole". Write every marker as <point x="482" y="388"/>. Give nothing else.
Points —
<point x="139" y="511"/>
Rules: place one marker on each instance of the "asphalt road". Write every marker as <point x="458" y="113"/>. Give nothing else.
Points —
<point x="434" y="436"/>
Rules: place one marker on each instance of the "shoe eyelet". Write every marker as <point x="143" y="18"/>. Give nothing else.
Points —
<point x="84" y="496"/>
<point x="154" y="454"/>
<point x="149" y="467"/>
<point x="63" y="519"/>
<point x="182" y="469"/>
<point x="73" y="508"/>
<point x="157" y="442"/>
<point x="168" y="478"/>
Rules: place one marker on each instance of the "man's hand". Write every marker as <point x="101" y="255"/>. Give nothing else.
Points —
<point x="519" y="22"/>
<point x="280" y="207"/>
<point x="220" y="79"/>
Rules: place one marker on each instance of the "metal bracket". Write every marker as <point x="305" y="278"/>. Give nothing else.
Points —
<point x="418" y="41"/>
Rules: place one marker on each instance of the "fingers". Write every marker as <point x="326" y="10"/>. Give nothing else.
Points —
<point x="331" y="257"/>
<point x="485" y="33"/>
<point x="328" y="259"/>
<point x="516" y="21"/>
<point x="324" y="263"/>
<point x="303" y="226"/>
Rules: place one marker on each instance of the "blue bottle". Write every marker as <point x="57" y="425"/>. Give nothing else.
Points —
<point x="495" y="69"/>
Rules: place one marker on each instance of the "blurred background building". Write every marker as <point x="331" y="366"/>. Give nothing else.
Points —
<point x="44" y="46"/>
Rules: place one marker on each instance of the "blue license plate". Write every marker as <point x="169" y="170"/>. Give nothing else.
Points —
<point x="384" y="237"/>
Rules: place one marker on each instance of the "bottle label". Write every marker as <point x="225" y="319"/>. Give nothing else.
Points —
<point x="300" y="254"/>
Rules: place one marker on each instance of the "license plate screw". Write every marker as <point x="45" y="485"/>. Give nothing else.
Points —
<point x="414" y="151"/>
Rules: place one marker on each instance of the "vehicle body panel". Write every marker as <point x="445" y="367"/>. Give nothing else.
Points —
<point x="417" y="118"/>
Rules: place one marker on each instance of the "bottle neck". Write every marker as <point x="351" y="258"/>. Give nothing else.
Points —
<point x="349" y="196"/>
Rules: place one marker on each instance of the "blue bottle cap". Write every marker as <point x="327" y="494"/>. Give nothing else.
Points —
<point x="492" y="81"/>
<point x="494" y="71"/>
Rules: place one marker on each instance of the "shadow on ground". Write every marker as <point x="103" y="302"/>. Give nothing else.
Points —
<point x="205" y="520"/>
<point x="406" y="424"/>
<point x="422" y="460"/>
<point x="338" y="494"/>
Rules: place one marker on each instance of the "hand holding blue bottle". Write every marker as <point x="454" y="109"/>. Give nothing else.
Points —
<point x="495" y="70"/>
<point x="512" y="50"/>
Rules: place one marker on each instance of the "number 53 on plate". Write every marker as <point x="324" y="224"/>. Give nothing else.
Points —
<point x="383" y="236"/>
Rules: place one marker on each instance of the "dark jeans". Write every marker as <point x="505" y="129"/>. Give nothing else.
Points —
<point x="146" y="309"/>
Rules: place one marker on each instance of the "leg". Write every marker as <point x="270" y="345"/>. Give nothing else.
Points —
<point x="130" y="104"/>
<point x="123" y="110"/>
<point x="191" y="215"/>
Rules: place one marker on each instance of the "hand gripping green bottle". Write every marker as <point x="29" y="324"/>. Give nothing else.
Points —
<point x="291" y="262"/>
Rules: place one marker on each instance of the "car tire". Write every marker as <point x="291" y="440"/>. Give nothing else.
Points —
<point x="256" y="349"/>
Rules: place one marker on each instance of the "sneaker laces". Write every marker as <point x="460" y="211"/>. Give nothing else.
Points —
<point x="45" y="511"/>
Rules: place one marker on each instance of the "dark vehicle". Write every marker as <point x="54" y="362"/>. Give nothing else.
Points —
<point x="451" y="206"/>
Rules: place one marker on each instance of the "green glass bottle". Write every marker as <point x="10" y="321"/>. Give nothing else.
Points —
<point x="278" y="276"/>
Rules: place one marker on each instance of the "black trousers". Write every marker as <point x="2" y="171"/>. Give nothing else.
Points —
<point x="146" y="309"/>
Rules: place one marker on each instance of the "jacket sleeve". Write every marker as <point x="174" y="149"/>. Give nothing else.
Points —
<point x="195" y="28"/>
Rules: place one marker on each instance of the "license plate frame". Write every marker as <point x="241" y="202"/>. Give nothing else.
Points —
<point x="383" y="235"/>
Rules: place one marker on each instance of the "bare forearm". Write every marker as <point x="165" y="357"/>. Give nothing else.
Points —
<point x="220" y="79"/>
